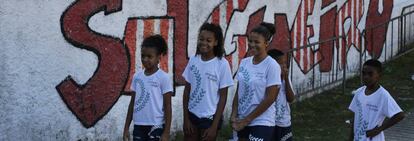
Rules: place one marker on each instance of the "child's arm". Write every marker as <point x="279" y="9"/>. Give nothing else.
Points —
<point x="235" y="106"/>
<point x="269" y="99"/>
<point x="386" y="124"/>
<point x="210" y="133"/>
<point x="187" y="124"/>
<point x="167" y="115"/>
<point x="290" y="96"/>
<point x="129" y="117"/>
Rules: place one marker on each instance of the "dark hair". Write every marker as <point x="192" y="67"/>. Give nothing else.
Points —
<point x="266" y="30"/>
<point x="156" y="42"/>
<point x="374" y="63"/>
<point x="218" y="34"/>
<point x="275" y="53"/>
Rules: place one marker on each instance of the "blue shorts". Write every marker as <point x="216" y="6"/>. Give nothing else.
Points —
<point x="203" y="123"/>
<point x="283" y="134"/>
<point x="262" y="133"/>
<point x="147" y="133"/>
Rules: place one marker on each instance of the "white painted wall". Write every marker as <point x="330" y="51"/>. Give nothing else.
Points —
<point x="35" y="58"/>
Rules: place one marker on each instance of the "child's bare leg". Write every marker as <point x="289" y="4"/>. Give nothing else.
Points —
<point x="192" y="137"/>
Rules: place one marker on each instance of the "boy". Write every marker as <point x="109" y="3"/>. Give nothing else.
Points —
<point x="371" y="104"/>
<point x="283" y="129"/>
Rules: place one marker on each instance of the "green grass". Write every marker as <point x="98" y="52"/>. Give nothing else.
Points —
<point x="322" y="117"/>
<point x="224" y="134"/>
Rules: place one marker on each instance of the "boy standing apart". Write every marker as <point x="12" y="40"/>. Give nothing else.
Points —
<point x="371" y="104"/>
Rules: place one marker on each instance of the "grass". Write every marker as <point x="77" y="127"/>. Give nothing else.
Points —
<point x="322" y="117"/>
<point x="224" y="134"/>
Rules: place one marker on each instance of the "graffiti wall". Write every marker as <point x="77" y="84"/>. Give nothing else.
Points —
<point x="66" y="66"/>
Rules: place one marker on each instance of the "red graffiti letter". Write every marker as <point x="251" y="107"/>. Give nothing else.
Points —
<point x="179" y="10"/>
<point x="375" y="37"/>
<point x="281" y="39"/>
<point x="91" y="101"/>
<point x="327" y="31"/>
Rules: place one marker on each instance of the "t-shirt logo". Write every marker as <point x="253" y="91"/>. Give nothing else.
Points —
<point x="153" y="83"/>
<point x="197" y="95"/>
<point x="143" y="96"/>
<point x="362" y="124"/>
<point x="211" y="77"/>
<point x="372" y="107"/>
<point x="260" y="75"/>
<point x="248" y="95"/>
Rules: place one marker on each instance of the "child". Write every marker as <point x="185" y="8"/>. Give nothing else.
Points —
<point x="207" y="78"/>
<point x="283" y="130"/>
<point x="371" y="104"/>
<point x="253" y="113"/>
<point x="151" y="107"/>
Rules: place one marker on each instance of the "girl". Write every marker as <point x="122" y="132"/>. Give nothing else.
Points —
<point x="151" y="107"/>
<point x="207" y="76"/>
<point x="253" y="113"/>
<point x="283" y="130"/>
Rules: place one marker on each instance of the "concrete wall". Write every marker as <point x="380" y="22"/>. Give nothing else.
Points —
<point x="65" y="64"/>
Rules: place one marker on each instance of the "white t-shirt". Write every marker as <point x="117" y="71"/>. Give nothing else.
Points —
<point x="206" y="78"/>
<point x="282" y="107"/>
<point x="253" y="81"/>
<point x="370" y="111"/>
<point x="148" y="104"/>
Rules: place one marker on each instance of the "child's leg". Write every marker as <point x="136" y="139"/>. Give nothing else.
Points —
<point x="202" y="131"/>
<point x="206" y="123"/>
<point x="140" y="133"/>
<point x="196" y="135"/>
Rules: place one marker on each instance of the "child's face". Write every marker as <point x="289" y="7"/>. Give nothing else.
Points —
<point x="257" y="43"/>
<point x="206" y="42"/>
<point x="370" y="75"/>
<point x="149" y="57"/>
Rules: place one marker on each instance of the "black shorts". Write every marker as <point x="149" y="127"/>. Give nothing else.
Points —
<point x="283" y="134"/>
<point x="203" y="123"/>
<point x="147" y="133"/>
<point x="253" y="133"/>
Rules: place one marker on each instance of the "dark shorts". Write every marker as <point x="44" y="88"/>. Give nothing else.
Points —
<point x="203" y="123"/>
<point x="283" y="134"/>
<point x="147" y="133"/>
<point x="253" y="133"/>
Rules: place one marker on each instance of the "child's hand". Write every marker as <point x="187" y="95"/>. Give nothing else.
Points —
<point x="373" y="132"/>
<point x="243" y="123"/>
<point x="126" y="135"/>
<point x="165" y="137"/>
<point x="240" y="124"/>
<point x="233" y="118"/>
<point x="209" y="134"/>
<point x="234" y="125"/>
<point x="233" y="121"/>
<point x="188" y="127"/>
